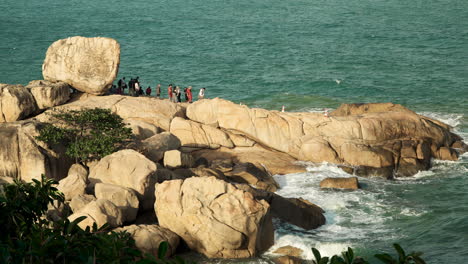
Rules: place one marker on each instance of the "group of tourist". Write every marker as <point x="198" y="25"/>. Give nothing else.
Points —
<point x="174" y="92"/>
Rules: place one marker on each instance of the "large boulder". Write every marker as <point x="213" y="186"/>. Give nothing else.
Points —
<point x="127" y="168"/>
<point x="88" y="64"/>
<point x="214" y="217"/>
<point x="23" y="157"/>
<point x="141" y="130"/>
<point x="101" y="212"/>
<point x="351" y="183"/>
<point x="16" y="103"/>
<point x="193" y="134"/>
<point x="75" y="183"/>
<point x="80" y="201"/>
<point x="296" y="211"/>
<point x="124" y="198"/>
<point x="175" y="159"/>
<point x="154" y="147"/>
<point x="49" y="94"/>
<point x="148" y="237"/>
<point x="257" y="176"/>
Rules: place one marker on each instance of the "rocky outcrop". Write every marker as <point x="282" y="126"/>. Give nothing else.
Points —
<point x="141" y="130"/>
<point x="214" y="217"/>
<point x="150" y="110"/>
<point x="23" y="157"/>
<point x="175" y="159"/>
<point x="351" y="183"/>
<point x="80" y="201"/>
<point x="127" y="168"/>
<point x="16" y="103"/>
<point x="369" y="137"/>
<point x="249" y="173"/>
<point x="101" y="211"/>
<point x="154" y="147"/>
<point x="290" y="255"/>
<point x="193" y="134"/>
<point x="148" y="237"/>
<point x="49" y="94"/>
<point x="88" y="64"/>
<point x="296" y="211"/>
<point x="124" y="198"/>
<point x="75" y="183"/>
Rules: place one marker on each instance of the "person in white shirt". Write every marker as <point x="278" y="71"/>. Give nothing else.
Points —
<point x="201" y="94"/>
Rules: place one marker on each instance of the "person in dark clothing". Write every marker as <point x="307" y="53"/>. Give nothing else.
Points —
<point x="178" y="94"/>
<point x="158" y="91"/>
<point x="148" y="91"/>
<point x="186" y="95"/>
<point x="131" y="87"/>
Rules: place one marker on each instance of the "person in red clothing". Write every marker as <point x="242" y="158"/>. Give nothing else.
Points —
<point x="148" y="91"/>
<point x="169" y="92"/>
<point x="189" y="94"/>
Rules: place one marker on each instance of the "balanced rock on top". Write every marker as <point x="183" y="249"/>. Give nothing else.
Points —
<point x="88" y="64"/>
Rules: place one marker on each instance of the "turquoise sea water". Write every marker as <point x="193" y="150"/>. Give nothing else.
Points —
<point x="306" y="55"/>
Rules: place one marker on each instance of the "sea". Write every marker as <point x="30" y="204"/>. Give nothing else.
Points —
<point x="305" y="55"/>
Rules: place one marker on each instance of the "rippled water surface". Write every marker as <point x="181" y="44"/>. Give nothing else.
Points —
<point x="305" y="55"/>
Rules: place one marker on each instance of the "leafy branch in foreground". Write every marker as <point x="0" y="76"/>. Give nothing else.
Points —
<point x="348" y="257"/>
<point x="87" y="134"/>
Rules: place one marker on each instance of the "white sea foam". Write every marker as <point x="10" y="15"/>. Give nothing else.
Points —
<point x="453" y="120"/>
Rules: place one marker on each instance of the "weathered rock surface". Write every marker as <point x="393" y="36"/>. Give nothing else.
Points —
<point x="141" y="129"/>
<point x="16" y="103"/>
<point x="148" y="237"/>
<point x="75" y="183"/>
<point x="154" y="147"/>
<point x="148" y="109"/>
<point x="88" y="64"/>
<point x="23" y="157"/>
<point x="291" y="255"/>
<point x="369" y="137"/>
<point x="101" y="211"/>
<point x="124" y="198"/>
<point x="351" y="183"/>
<point x="49" y="94"/>
<point x="214" y="217"/>
<point x="126" y="168"/>
<point x="296" y="211"/>
<point x="80" y="201"/>
<point x="196" y="135"/>
<point x="249" y="173"/>
<point x="175" y="159"/>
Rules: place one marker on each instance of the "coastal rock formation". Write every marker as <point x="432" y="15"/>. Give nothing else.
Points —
<point x="49" y="94"/>
<point x="101" y="211"/>
<point x="174" y="159"/>
<point x="23" y="157"/>
<point x="124" y="198"/>
<point x="148" y="237"/>
<point x="214" y="217"/>
<point x="154" y="147"/>
<point x="141" y="130"/>
<point x="126" y="168"/>
<point x="150" y="110"/>
<point x="80" y="201"/>
<point x="75" y="183"/>
<point x="196" y="135"/>
<point x="351" y="183"/>
<point x="16" y="103"/>
<point x="89" y="65"/>
<point x="296" y="211"/>
<point x="368" y="137"/>
<point x="254" y="175"/>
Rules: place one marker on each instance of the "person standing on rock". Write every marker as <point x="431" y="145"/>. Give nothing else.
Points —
<point x="137" y="88"/>
<point x="201" y="94"/>
<point x="148" y="91"/>
<point x="186" y="95"/>
<point x="158" y="91"/>
<point x="131" y="87"/>
<point x="189" y="94"/>
<point x="122" y="85"/>
<point x="169" y="92"/>
<point x="178" y="94"/>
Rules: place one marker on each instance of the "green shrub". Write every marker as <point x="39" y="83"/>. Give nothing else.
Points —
<point x="87" y="134"/>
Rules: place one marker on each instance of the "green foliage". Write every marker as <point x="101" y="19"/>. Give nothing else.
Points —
<point x="412" y="258"/>
<point x="348" y="257"/>
<point x="87" y="134"/>
<point x="27" y="237"/>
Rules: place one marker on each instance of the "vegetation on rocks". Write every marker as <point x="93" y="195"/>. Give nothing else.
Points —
<point x="28" y="237"/>
<point x="87" y="134"/>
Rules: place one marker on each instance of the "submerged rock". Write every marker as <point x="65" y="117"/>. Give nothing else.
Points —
<point x="351" y="183"/>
